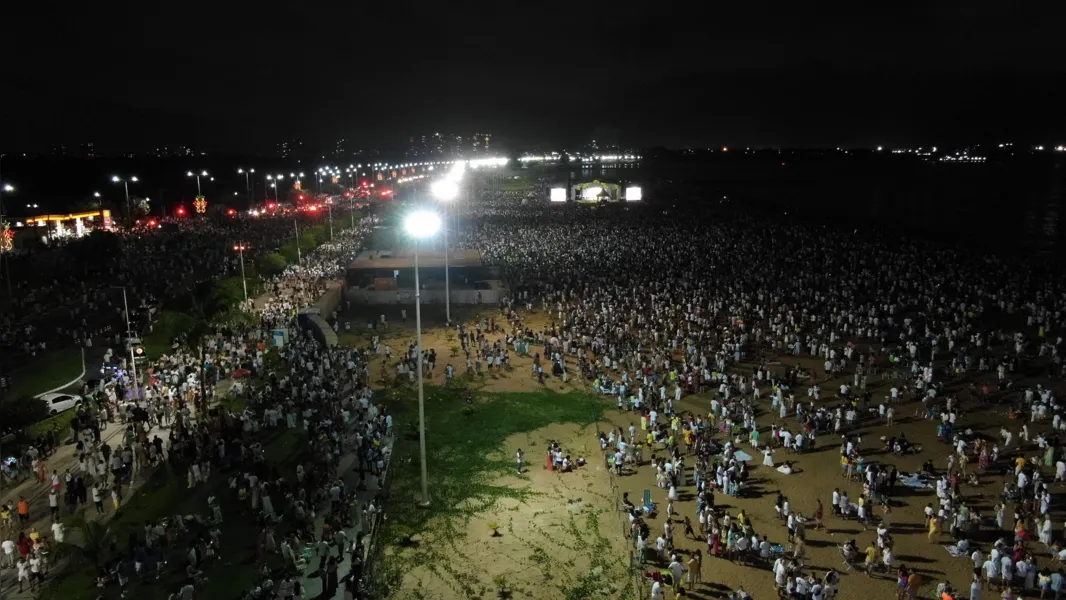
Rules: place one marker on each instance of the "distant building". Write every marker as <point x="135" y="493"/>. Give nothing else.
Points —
<point x="481" y="143"/>
<point x="88" y="150"/>
<point x="339" y="149"/>
<point x="444" y="145"/>
<point x="290" y="148"/>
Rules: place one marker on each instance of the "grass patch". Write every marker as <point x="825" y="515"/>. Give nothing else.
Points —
<point x="465" y="453"/>
<point x="47" y="371"/>
<point x="165" y="494"/>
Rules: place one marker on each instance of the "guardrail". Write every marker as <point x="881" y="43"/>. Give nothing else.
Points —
<point x="370" y="552"/>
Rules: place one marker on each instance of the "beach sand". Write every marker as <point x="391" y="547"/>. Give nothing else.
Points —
<point x="819" y="473"/>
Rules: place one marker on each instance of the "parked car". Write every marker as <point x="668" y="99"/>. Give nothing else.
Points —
<point x="58" y="402"/>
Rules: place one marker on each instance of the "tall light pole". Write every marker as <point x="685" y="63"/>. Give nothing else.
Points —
<point x="249" y="183"/>
<point x="446" y="191"/>
<point x="126" y="185"/>
<point x="329" y="204"/>
<point x="277" y="186"/>
<point x="244" y="282"/>
<point x="419" y="225"/>
<point x="296" y="226"/>
<point x="129" y="337"/>
<point x="197" y="176"/>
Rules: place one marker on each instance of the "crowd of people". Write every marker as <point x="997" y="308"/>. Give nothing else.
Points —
<point x="652" y="306"/>
<point x="78" y="300"/>
<point x="171" y="425"/>
<point x="649" y="307"/>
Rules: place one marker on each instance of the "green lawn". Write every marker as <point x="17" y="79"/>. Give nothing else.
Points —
<point x="47" y="371"/>
<point x="465" y="454"/>
<point x="165" y="495"/>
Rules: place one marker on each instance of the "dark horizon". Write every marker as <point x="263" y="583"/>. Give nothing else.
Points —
<point x="239" y="81"/>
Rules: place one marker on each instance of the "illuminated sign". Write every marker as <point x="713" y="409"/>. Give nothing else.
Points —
<point x="7" y="238"/>
<point x="105" y="214"/>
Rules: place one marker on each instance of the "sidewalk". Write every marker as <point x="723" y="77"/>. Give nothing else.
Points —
<point x="64" y="460"/>
<point x="312" y="586"/>
<point x="37" y="493"/>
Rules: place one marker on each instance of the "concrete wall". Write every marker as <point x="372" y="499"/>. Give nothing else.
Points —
<point x="313" y="318"/>
<point x="358" y="296"/>
<point x="321" y="330"/>
<point x="331" y="300"/>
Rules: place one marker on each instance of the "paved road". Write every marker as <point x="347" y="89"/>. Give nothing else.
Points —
<point x="94" y="361"/>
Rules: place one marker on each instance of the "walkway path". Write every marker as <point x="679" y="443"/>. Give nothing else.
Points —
<point x="63" y="460"/>
<point x="313" y="585"/>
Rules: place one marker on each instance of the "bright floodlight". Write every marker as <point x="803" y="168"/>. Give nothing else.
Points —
<point x="115" y="178"/>
<point x="457" y="170"/>
<point x="445" y="189"/>
<point x="134" y="178"/>
<point x="558" y="195"/>
<point x="633" y="194"/>
<point x="422" y="223"/>
<point x="189" y="174"/>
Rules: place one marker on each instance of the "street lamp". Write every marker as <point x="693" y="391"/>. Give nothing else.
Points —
<point x="197" y="176"/>
<point x="129" y="342"/>
<point x="249" y="183"/>
<point x="446" y="191"/>
<point x="240" y="248"/>
<point x="329" y="205"/>
<point x="296" y="226"/>
<point x="126" y="184"/>
<point x="277" y="186"/>
<point x="419" y="225"/>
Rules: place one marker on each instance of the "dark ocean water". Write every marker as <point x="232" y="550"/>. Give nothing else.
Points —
<point x="1012" y="204"/>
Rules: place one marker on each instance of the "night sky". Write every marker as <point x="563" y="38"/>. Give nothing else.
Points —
<point x="240" y="78"/>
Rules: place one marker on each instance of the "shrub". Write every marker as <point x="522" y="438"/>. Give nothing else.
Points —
<point x="271" y="264"/>
<point x="18" y="414"/>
